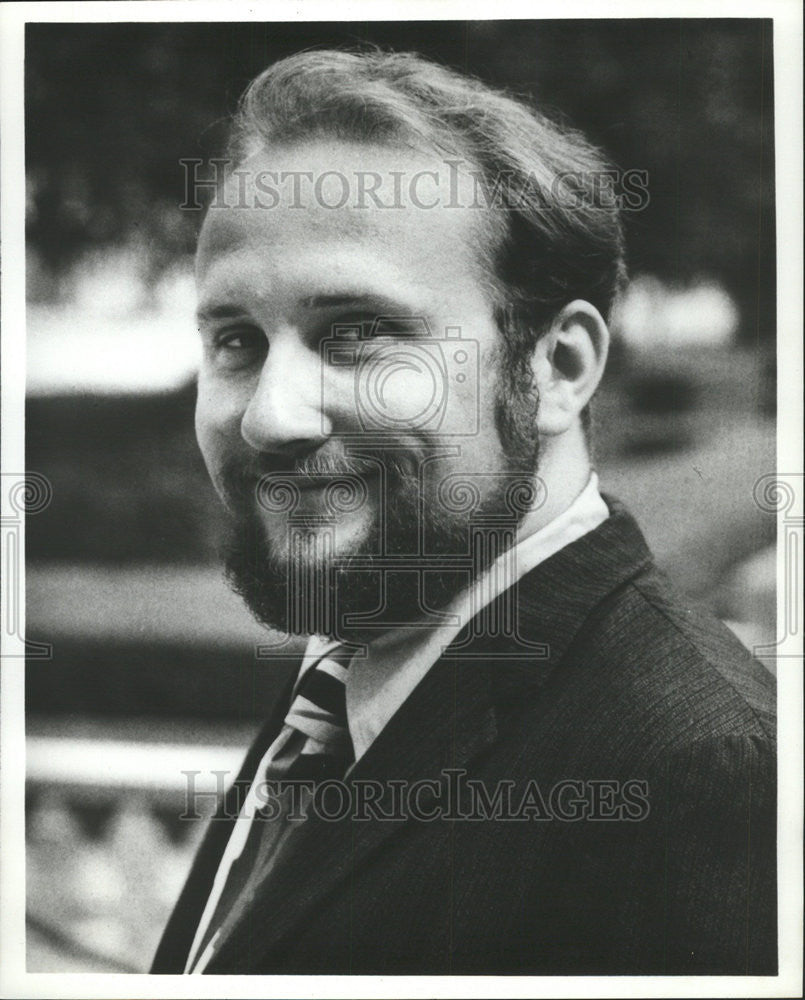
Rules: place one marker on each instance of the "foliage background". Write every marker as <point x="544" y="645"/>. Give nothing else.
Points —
<point x="111" y="109"/>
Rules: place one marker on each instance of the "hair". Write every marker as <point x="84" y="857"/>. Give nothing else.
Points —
<point x="554" y="229"/>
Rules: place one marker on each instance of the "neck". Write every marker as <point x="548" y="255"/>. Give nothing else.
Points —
<point x="564" y="471"/>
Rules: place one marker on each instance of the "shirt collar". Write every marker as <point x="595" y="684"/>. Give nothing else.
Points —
<point x="379" y="682"/>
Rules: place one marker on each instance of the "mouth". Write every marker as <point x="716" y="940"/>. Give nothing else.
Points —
<point x="331" y="493"/>
<point x="310" y="483"/>
<point x="274" y="491"/>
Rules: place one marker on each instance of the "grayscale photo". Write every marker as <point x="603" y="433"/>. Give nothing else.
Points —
<point x="401" y="499"/>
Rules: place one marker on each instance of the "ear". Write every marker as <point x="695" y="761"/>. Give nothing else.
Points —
<point x="568" y="364"/>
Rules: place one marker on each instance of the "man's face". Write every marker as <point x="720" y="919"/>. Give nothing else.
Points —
<point x="349" y="381"/>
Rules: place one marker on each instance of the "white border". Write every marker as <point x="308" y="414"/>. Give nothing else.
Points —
<point x="14" y="981"/>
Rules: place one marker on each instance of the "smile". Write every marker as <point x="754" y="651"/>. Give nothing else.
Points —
<point x="346" y="480"/>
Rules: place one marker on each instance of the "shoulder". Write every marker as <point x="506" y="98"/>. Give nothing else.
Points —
<point x="657" y="661"/>
<point x="631" y="672"/>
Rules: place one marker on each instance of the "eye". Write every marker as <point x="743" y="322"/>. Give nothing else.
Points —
<point x="238" y="346"/>
<point x="393" y="327"/>
<point x="369" y="327"/>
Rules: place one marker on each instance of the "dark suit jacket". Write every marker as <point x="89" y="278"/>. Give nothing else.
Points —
<point x="659" y="857"/>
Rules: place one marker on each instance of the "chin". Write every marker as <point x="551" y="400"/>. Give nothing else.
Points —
<point x="307" y="571"/>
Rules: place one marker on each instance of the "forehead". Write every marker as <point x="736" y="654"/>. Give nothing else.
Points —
<point x="344" y="211"/>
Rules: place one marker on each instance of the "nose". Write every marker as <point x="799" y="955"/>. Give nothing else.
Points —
<point x="285" y="414"/>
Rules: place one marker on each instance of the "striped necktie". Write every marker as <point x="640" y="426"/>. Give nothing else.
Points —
<point x="319" y="713"/>
<point x="314" y="745"/>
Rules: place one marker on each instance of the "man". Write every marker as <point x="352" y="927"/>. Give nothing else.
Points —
<point x="508" y="748"/>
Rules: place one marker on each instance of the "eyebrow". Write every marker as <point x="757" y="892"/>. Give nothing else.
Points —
<point x="379" y="302"/>
<point x="371" y="300"/>
<point x="219" y="312"/>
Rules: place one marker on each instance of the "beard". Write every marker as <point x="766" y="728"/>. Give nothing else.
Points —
<point x="426" y="543"/>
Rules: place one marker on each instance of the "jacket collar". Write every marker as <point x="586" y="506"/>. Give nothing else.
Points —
<point x="450" y="717"/>
<point x="554" y="601"/>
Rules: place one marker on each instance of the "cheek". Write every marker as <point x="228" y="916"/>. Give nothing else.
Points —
<point x="217" y="422"/>
<point x="488" y="379"/>
<point x="407" y="393"/>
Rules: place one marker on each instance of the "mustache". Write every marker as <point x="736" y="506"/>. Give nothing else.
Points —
<point x="242" y="479"/>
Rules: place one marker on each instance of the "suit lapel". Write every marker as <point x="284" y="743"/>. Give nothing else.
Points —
<point x="553" y="604"/>
<point x="450" y="718"/>
<point x="444" y="723"/>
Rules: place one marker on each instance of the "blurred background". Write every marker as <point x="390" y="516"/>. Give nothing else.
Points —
<point x="153" y="670"/>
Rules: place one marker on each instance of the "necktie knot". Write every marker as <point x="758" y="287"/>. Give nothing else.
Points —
<point x="319" y="711"/>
